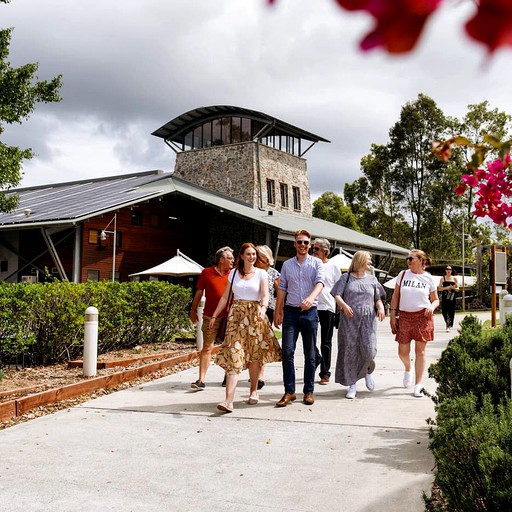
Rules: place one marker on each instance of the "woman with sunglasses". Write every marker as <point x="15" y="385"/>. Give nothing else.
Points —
<point x="449" y="286"/>
<point x="412" y="315"/>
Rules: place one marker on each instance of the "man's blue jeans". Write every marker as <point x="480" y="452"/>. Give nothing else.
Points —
<point x="304" y="323"/>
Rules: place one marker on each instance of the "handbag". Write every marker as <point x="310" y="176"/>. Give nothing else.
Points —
<point x="397" y="318"/>
<point x="221" y="331"/>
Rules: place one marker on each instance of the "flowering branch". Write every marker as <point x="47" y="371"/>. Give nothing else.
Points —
<point x="492" y="180"/>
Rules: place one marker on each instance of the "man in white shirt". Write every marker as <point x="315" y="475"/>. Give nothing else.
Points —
<point x="326" y="308"/>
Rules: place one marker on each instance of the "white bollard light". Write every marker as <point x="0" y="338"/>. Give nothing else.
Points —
<point x="506" y="306"/>
<point x="502" y="315"/>
<point x="199" y="326"/>
<point x="90" y="341"/>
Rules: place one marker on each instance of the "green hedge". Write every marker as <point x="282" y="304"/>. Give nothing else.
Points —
<point x="471" y="438"/>
<point x="47" y="320"/>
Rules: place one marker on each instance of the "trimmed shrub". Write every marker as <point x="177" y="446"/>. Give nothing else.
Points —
<point x="472" y="446"/>
<point x="47" y="319"/>
<point x="471" y="437"/>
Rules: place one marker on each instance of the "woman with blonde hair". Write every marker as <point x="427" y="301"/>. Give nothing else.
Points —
<point x="250" y="341"/>
<point x="412" y="315"/>
<point x="359" y="297"/>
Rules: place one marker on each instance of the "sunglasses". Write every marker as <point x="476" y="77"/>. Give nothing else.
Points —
<point x="410" y="258"/>
<point x="448" y="268"/>
<point x="300" y="242"/>
<point x="316" y="249"/>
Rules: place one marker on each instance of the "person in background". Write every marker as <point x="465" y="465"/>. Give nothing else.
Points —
<point x="212" y="283"/>
<point x="250" y="341"/>
<point x="412" y="315"/>
<point x="326" y="308"/>
<point x="449" y="285"/>
<point x="301" y="281"/>
<point x="265" y="260"/>
<point x="359" y="296"/>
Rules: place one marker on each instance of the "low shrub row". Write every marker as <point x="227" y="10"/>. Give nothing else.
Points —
<point x="45" y="321"/>
<point x="471" y="437"/>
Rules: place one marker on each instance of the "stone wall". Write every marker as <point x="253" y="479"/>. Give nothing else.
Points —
<point x="233" y="170"/>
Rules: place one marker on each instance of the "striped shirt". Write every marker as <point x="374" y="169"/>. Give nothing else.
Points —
<point x="298" y="280"/>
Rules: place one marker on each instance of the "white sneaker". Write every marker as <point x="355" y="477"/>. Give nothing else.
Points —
<point x="370" y="382"/>
<point x="407" y="379"/>
<point x="418" y="388"/>
<point x="351" y="393"/>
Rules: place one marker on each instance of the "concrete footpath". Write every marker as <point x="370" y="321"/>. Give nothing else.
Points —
<point x="162" y="446"/>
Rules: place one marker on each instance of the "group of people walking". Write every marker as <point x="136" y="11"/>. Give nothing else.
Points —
<point x="306" y="295"/>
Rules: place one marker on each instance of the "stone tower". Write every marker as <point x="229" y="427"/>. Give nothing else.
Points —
<point x="247" y="155"/>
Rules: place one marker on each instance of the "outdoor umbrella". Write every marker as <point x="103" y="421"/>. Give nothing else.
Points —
<point x="179" y="265"/>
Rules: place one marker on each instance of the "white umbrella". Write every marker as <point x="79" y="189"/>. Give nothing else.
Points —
<point x="179" y="265"/>
<point x="342" y="261"/>
<point x="391" y="283"/>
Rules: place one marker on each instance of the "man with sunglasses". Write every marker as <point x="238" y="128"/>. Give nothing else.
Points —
<point x="301" y="281"/>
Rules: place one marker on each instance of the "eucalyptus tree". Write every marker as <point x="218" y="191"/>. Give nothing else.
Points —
<point x="331" y="207"/>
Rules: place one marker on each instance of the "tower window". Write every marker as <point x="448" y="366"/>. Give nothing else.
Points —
<point x="284" y="195"/>
<point x="271" y="192"/>
<point x="296" y="199"/>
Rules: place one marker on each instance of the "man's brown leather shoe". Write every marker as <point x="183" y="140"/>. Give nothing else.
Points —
<point x="309" y="399"/>
<point x="286" y="399"/>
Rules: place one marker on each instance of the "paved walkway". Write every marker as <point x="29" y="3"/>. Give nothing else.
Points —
<point x="163" y="447"/>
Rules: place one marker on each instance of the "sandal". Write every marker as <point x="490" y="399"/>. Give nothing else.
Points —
<point x="253" y="400"/>
<point x="225" y="407"/>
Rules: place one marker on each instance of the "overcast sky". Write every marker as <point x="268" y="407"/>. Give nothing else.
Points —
<point x="129" y="67"/>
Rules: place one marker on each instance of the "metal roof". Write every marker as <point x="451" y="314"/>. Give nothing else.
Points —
<point x="72" y="202"/>
<point x="286" y="223"/>
<point x="176" y="129"/>
<point x="65" y="204"/>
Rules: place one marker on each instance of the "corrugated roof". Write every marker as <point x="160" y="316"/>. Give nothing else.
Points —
<point x="65" y="204"/>
<point x="71" y="202"/>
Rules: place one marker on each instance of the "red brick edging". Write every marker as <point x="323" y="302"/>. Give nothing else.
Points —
<point x="19" y="406"/>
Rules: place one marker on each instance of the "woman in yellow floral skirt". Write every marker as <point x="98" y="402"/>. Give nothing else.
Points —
<point x="250" y="341"/>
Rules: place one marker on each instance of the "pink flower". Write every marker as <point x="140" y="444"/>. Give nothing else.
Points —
<point x="399" y="23"/>
<point x="491" y="25"/>
<point x="493" y="190"/>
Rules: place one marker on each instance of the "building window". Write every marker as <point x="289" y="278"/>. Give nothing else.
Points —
<point x="296" y="199"/>
<point x="136" y="218"/>
<point x="94" y="236"/>
<point x="231" y="130"/>
<point x="271" y="192"/>
<point x="119" y="238"/>
<point x="93" y="275"/>
<point x="4" y="265"/>
<point x="284" y="195"/>
<point x="116" y="276"/>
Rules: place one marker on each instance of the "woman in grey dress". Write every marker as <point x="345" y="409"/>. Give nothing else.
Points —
<point x="359" y="296"/>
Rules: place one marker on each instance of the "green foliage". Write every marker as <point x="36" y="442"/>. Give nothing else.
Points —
<point x="407" y="196"/>
<point x="472" y="446"/>
<point x="47" y="319"/>
<point x="331" y="207"/>
<point x="471" y="437"/>
<point x="474" y="363"/>
<point x="20" y="91"/>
